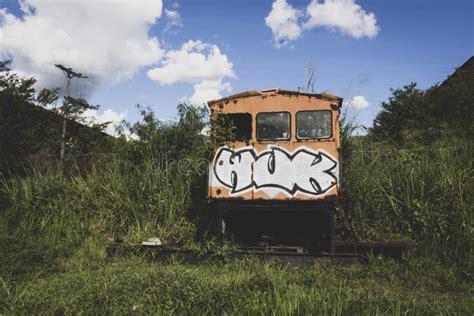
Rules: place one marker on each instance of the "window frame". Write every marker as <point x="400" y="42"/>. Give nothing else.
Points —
<point x="313" y="138"/>
<point x="274" y="139"/>
<point x="236" y="113"/>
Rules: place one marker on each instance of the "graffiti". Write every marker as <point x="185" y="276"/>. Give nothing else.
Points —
<point x="307" y="171"/>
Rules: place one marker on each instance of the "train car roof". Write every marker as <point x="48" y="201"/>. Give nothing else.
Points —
<point x="250" y="93"/>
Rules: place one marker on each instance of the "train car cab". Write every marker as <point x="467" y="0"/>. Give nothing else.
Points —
<point x="275" y="149"/>
<point x="284" y="145"/>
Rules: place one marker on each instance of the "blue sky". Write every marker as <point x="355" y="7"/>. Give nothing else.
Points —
<point x="389" y="44"/>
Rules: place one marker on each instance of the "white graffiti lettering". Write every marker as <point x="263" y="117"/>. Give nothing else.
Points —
<point x="308" y="171"/>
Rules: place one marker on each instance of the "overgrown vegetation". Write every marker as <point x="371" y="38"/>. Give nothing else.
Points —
<point x="417" y="116"/>
<point x="237" y="287"/>
<point x="406" y="181"/>
<point x="119" y="201"/>
<point x="31" y="126"/>
<point x="423" y="194"/>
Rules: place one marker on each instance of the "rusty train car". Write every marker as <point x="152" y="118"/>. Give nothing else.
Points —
<point x="275" y="177"/>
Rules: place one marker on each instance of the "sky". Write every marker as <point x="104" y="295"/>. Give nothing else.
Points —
<point x="159" y="53"/>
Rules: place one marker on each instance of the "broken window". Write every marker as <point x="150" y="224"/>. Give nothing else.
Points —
<point x="273" y="126"/>
<point x="313" y="124"/>
<point x="233" y="127"/>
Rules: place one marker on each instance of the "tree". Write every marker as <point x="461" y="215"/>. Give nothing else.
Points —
<point x="401" y="115"/>
<point x="442" y="111"/>
<point x="21" y="135"/>
<point x="173" y="140"/>
<point x="31" y="130"/>
<point x="451" y="104"/>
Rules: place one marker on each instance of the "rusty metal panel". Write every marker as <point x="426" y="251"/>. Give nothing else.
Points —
<point x="293" y="169"/>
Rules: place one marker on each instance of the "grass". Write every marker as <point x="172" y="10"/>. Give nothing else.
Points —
<point x="54" y="229"/>
<point x="41" y="278"/>
<point x="117" y="202"/>
<point x="123" y="286"/>
<point x="422" y="194"/>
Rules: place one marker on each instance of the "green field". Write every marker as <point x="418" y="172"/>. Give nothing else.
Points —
<point x="88" y="283"/>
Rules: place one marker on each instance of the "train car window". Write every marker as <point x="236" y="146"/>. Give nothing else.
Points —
<point x="313" y="124"/>
<point x="233" y="127"/>
<point x="273" y="126"/>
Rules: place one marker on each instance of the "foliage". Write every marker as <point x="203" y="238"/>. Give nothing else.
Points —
<point x="422" y="117"/>
<point x="147" y="188"/>
<point x="423" y="195"/>
<point x="15" y="87"/>
<point x="347" y="129"/>
<point x="224" y="129"/>
<point x="451" y="104"/>
<point x="413" y="175"/>
<point x="29" y="132"/>
<point x="170" y="141"/>
<point x="16" y="111"/>
<point x="400" y="115"/>
<point x="72" y="108"/>
<point x="116" y="201"/>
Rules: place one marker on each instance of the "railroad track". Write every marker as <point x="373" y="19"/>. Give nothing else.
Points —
<point x="296" y="256"/>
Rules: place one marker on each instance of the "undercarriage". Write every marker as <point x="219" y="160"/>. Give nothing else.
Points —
<point x="297" y="226"/>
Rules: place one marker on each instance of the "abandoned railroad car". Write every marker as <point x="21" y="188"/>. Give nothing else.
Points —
<point x="274" y="177"/>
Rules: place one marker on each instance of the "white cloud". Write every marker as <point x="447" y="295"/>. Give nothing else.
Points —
<point x="208" y="90"/>
<point x="106" y="39"/>
<point x="287" y="23"/>
<point x="358" y="102"/>
<point x="343" y="15"/>
<point x="174" y="20"/>
<point x="197" y="63"/>
<point x="109" y="41"/>
<point x="194" y="62"/>
<point x="283" y="21"/>
<point x="114" y="119"/>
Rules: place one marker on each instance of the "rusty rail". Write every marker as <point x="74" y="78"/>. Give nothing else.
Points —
<point x="283" y="254"/>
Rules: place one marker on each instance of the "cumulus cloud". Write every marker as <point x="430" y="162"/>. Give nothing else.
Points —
<point x="197" y="63"/>
<point x="343" y="15"/>
<point x="287" y="23"/>
<point x="208" y="90"/>
<point x="283" y="20"/>
<point x="106" y="39"/>
<point x="358" y="102"/>
<point x="109" y="41"/>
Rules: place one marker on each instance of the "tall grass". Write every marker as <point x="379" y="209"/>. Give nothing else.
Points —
<point x="117" y="201"/>
<point x="423" y="194"/>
